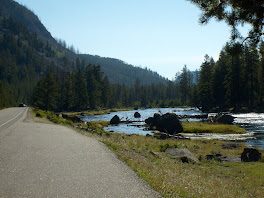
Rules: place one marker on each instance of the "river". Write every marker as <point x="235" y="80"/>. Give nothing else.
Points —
<point x="252" y="122"/>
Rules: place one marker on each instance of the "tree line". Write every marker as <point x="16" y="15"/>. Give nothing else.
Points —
<point x="89" y="88"/>
<point x="235" y="81"/>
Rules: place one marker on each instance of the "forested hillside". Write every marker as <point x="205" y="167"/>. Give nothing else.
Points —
<point x="116" y="70"/>
<point x="29" y="19"/>
<point x="28" y="52"/>
<point x="120" y="72"/>
<point x="24" y="59"/>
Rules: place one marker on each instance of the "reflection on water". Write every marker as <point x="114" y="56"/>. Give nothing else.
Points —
<point x="252" y="122"/>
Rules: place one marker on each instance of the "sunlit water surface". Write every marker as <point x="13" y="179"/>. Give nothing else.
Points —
<point x="252" y="122"/>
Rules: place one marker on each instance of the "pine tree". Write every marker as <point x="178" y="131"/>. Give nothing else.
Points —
<point x="106" y="92"/>
<point x="93" y="77"/>
<point x="185" y="85"/>
<point x="232" y="81"/>
<point x="205" y="84"/>
<point x="80" y="91"/>
<point x="235" y="13"/>
<point x="251" y="68"/>
<point x="261" y="78"/>
<point x="219" y="74"/>
<point x="45" y="94"/>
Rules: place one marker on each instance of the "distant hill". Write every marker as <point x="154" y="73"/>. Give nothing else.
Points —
<point x="120" y="72"/>
<point x="28" y="18"/>
<point x="116" y="70"/>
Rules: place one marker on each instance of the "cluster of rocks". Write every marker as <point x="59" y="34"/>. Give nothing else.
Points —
<point x="168" y="123"/>
<point x="248" y="155"/>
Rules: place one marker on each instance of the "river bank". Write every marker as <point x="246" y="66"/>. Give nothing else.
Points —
<point x="172" y="178"/>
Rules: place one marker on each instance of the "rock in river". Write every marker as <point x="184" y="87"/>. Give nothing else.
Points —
<point x="115" y="120"/>
<point x="225" y="119"/>
<point x="168" y="123"/>
<point x="137" y="115"/>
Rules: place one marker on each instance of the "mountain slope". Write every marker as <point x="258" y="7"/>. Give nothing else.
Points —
<point x="120" y="72"/>
<point x="28" y="18"/>
<point x="116" y="70"/>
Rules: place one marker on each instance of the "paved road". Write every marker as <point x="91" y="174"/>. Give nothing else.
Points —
<point x="10" y="116"/>
<point x="45" y="160"/>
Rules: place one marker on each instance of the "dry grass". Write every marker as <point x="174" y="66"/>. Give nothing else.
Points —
<point x="173" y="178"/>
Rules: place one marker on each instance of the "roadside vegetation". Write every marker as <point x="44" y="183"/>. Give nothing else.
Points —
<point x="172" y="178"/>
<point x="52" y="117"/>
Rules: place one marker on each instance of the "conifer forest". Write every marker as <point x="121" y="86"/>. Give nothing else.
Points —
<point x="46" y="74"/>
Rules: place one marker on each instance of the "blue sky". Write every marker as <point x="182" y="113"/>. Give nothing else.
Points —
<point x="162" y="35"/>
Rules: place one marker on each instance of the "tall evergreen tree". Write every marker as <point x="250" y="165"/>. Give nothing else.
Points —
<point x="219" y="74"/>
<point x="185" y="85"/>
<point x="45" y="94"/>
<point x="80" y="91"/>
<point x="233" y="79"/>
<point x="251" y="69"/>
<point x="205" y="84"/>
<point x="93" y="77"/>
<point x="106" y="95"/>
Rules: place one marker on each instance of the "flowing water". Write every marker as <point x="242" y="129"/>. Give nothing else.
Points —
<point x="252" y="122"/>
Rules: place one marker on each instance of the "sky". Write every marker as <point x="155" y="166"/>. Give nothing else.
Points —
<point x="162" y="35"/>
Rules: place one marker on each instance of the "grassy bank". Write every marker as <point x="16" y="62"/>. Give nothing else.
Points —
<point x="172" y="178"/>
<point x="199" y="127"/>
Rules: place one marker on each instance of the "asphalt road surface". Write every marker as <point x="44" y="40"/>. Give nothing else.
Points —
<point x="46" y="160"/>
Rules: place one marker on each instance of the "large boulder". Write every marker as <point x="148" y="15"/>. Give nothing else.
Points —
<point x="225" y="119"/>
<point x="250" y="155"/>
<point x="115" y="120"/>
<point x="182" y="154"/>
<point x="168" y="123"/>
<point x="150" y="121"/>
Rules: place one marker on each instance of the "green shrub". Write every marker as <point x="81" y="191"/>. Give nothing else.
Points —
<point x="40" y="113"/>
<point x="52" y="117"/>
